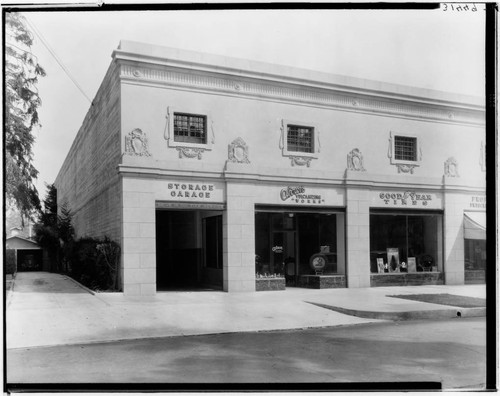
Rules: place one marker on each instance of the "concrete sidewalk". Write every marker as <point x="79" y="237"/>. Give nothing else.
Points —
<point x="51" y="309"/>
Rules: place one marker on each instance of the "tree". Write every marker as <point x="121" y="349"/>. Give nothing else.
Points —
<point x="21" y="115"/>
<point x="66" y="234"/>
<point x="46" y="230"/>
<point x="55" y="232"/>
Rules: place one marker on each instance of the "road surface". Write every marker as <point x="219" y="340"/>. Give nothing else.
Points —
<point x="451" y="352"/>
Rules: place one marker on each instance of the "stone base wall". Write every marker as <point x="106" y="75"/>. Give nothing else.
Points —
<point x="410" y="279"/>
<point x="270" y="284"/>
<point x="321" y="281"/>
<point x="475" y="277"/>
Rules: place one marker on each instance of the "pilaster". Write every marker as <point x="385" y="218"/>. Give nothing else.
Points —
<point x="138" y="240"/>
<point x="238" y="238"/>
<point x="357" y="238"/>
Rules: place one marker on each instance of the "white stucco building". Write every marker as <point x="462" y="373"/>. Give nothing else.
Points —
<point x="212" y="171"/>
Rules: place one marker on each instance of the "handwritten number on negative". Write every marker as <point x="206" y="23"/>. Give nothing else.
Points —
<point x="459" y="7"/>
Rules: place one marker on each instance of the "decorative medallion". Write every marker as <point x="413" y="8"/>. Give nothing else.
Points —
<point x="355" y="103"/>
<point x="451" y="167"/>
<point x="238" y="151"/>
<point x="355" y="161"/>
<point x="404" y="168"/>
<point x="137" y="73"/>
<point x="189" y="152"/>
<point x="300" y="161"/>
<point x="136" y="143"/>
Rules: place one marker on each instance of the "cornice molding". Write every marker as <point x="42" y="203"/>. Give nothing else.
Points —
<point x="248" y="173"/>
<point x="305" y="93"/>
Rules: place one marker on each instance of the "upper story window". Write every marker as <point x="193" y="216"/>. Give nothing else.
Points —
<point x="299" y="141"/>
<point x="405" y="148"/>
<point x="190" y="128"/>
<point x="190" y="131"/>
<point x="300" y="138"/>
<point x="405" y="152"/>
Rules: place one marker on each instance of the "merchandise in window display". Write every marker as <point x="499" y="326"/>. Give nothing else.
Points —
<point x="426" y="263"/>
<point x="318" y="263"/>
<point x="380" y="265"/>
<point x="393" y="258"/>
<point x="412" y="264"/>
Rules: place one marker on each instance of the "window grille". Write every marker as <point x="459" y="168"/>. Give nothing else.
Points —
<point x="190" y="128"/>
<point x="300" y="138"/>
<point x="405" y="148"/>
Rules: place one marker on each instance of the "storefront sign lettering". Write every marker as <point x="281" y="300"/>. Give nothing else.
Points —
<point x="478" y="202"/>
<point x="298" y="195"/>
<point x="409" y="198"/>
<point x="277" y="249"/>
<point x="188" y="190"/>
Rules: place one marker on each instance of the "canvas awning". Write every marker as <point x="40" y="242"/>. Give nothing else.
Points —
<point x="475" y="225"/>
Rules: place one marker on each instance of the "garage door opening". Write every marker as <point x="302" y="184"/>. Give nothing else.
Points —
<point x="188" y="250"/>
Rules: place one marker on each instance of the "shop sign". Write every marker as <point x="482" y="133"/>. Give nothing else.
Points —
<point x="277" y="249"/>
<point x="191" y="190"/>
<point x="478" y="202"/>
<point x="408" y="198"/>
<point x="300" y="195"/>
<point x="190" y="205"/>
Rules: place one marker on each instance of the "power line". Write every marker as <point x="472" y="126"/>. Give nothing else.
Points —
<point x="39" y="35"/>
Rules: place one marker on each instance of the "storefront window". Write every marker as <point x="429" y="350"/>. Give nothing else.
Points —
<point x="405" y="242"/>
<point x="475" y="254"/>
<point x="285" y="242"/>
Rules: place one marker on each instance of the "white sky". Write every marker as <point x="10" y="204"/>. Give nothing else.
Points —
<point x="428" y="49"/>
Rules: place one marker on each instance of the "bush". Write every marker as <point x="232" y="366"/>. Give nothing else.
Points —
<point x="10" y="262"/>
<point x="95" y="263"/>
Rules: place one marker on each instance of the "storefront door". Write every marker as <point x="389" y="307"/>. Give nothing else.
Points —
<point x="283" y="255"/>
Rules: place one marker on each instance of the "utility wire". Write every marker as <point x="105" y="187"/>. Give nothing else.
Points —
<point x="39" y="35"/>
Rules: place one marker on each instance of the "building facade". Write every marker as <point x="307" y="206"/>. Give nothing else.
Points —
<point x="224" y="173"/>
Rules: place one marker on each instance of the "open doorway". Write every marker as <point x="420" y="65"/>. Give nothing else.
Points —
<point x="188" y="250"/>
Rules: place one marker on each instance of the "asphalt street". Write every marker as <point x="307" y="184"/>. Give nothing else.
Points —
<point x="451" y="352"/>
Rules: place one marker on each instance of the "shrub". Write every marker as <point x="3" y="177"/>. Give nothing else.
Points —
<point x="95" y="263"/>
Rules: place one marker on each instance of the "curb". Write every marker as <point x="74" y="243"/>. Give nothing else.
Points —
<point x="409" y="315"/>
<point x="79" y="284"/>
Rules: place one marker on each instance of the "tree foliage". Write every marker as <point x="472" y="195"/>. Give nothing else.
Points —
<point x="47" y="228"/>
<point x="91" y="261"/>
<point x="21" y="114"/>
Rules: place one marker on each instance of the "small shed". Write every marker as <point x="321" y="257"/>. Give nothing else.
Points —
<point x="25" y="253"/>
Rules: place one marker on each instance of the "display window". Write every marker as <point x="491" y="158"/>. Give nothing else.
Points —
<point x="475" y="239"/>
<point x="475" y="254"/>
<point x="286" y="243"/>
<point x="405" y="242"/>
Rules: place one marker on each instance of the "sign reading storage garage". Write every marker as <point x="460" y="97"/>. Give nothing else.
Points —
<point x="190" y="190"/>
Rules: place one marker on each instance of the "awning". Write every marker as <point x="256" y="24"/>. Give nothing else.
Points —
<point x="475" y="225"/>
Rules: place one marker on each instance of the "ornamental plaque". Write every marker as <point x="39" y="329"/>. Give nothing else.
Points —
<point x="355" y="161"/>
<point x="136" y="143"/>
<point x="451" y="167"/>
<point x="238" y="151"/>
